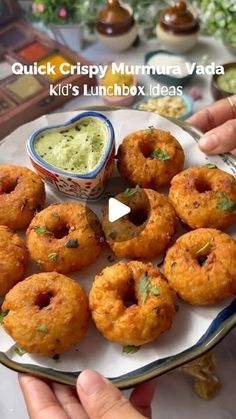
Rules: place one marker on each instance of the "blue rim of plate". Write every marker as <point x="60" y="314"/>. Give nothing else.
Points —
<point x="88" y="175"/>
<point x="186" y="98"/>
<point x="218" y="329"/>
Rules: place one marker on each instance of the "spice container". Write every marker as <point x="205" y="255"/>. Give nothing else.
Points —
<point x="177" y="28"/>
<point x="116" y="26"/>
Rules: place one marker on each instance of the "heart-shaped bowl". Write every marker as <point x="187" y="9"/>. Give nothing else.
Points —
<point x="60" y="141"/>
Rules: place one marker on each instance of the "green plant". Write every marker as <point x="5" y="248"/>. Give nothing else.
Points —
<point x="218" y="17"/>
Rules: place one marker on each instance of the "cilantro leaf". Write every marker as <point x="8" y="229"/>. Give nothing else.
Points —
<point x="130" y="349"/>
<point x="3" y="313"/>
<point x="226" y="204"/>
<point x="71" y="243"/>
<point x="144" y="286"/>
<point x="52" y="256"/>
<point x="42" y="328"/>
<point x="131" y="191"/>
<point x="19" y="351"/>
<point x="41" y="230"/>
<point x="203" y="248"/>
<point x="160" y="154"/>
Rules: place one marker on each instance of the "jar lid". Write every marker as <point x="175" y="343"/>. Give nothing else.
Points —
<point x="114" y="19"/>
<point x="179" y="19"/>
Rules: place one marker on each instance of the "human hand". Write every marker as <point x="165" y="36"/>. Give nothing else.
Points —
<point x="218" y="121"/>
<point x="94" y="398"/>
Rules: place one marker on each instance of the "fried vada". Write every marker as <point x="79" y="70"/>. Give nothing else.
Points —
<point x="47" y="313"/>
<point x="131" y="303"/>
<point x="64" y="237"/>
<point x="204" y="197"/>
<point x="146" y="231"/>
<point x="150" y="158"/>
<point x="13" y="259"/>
<point x="22" y="192"/>
<point x="201" y="266"/>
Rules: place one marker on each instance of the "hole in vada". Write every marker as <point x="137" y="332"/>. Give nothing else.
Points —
<point x="138" y="216"/>
<point x="129" y="297"/>
<point x="43" y="299"/>
<point x="61" y="231"/>
<point x="202" y="185"/>
<point x="201" y="260"/>
<point x="9" y="187"/>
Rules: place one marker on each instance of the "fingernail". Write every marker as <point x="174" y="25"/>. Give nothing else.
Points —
<point x="209" y="142"/>
<point x="91" y="382"/>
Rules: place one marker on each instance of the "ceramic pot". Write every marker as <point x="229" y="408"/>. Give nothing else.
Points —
<point x="177" y="28"/>
<point x="116" y="26"/>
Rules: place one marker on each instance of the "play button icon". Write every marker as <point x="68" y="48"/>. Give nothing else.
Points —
<point x="117" y="210"/>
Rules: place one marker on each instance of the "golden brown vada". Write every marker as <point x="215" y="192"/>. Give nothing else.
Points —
<point x="204" y="197"/>
<point x="22" y="192"/>
<point x="13" y="259"/>
<point x="201" y="266"/>
<point x="150" y="158"/>
<point x="47" y="313"/>
<point x="146" y="231"/>
<point x="131" y="303"/>
<point x="64" y="237"/>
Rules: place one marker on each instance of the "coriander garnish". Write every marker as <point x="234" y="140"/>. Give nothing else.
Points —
<point x="41" y="230"/>
<point x="210" y="166"/>
<point x="131" y="191"/>
<point x="3" y="313"/>
<point x="52" y="257"/>
<point x="203" y="248"/>
<point x="42" y="328"/>
<point x="144" y="286"/>
<point x="226" y="204"/>
<point x="149" y="130"/>
<point x="71" y="243"/>
<point x="160" y="154"/>
<point x="130" y="349"/>
<point x="18" y="350"/>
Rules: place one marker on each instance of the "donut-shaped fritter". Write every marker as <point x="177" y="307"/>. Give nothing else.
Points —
<point x="150" y="158"/>
<point x="47" y="313"/>
<point x="146" y="231"/>
<point x="201" y="266"/>
<point x="204" y="197"/>
<point x="64" y="237"/>
<point x="22" y="192"/>
<point x="131" y="303"/>
<point x="13" y="259"/>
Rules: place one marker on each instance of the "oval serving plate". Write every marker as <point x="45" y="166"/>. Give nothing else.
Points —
<point x="195" y="330"/>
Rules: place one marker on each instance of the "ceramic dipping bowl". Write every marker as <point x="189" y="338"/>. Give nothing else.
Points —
<point x="216" y="90"/>
<point x="170" y="80"/>
<point x="87" y="185"/>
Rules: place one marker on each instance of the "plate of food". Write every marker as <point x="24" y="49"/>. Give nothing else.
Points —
<point x="130" y="296"/>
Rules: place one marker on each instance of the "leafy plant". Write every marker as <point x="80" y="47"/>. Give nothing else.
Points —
<point x="219" y="17"/>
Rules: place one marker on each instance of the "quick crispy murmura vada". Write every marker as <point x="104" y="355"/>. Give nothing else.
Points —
<point x="201" y="266"/>
<point x="47" y="313"/>
<point x="13" y="259"/>
<point x="204" y="197"/>
<point x="146" y="231"/>
<point x="64" y="237"/>
<point x="131" y="303"/>
<point x="150" y="158"/>
<point x="22" y="192"/>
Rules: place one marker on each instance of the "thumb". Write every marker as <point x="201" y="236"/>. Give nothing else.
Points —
<point x="101" y="399"/>
<point x="220" y="140"/>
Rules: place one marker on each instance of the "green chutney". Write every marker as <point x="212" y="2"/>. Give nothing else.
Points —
<point x="76" y="148"/>
<point x="227" y="81"/>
